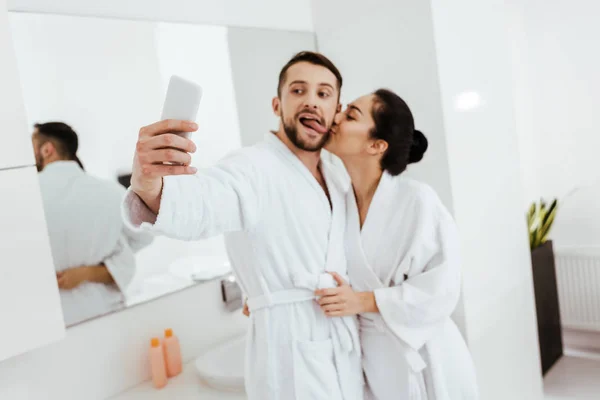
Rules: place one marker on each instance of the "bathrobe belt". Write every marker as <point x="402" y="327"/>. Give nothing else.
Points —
<point x="344" y="328"/>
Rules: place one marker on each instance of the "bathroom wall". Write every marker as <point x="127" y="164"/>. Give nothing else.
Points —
<point x="559" y="90"/>
<point x="29" y="303"/>
<point x="529" y="143"/>
<point x="473" y="51"/>
<point x="275" y="14"/>
<point x="105" y="356"/>
<point x="441" y="58"/>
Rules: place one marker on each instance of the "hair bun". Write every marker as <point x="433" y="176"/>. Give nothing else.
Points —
<point x="418" y="147"/>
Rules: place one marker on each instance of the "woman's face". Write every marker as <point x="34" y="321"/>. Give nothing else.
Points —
<point x="351" y="132"/>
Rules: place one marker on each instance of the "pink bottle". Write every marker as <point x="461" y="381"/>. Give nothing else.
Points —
<point x="157" y="364"/>
<point x="172" y="354"/>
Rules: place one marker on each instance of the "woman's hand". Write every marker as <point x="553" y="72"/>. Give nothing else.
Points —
<point x="71" y="278"/>
<point x="343" y="300"/>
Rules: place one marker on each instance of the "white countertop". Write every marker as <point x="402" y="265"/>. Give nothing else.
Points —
<point x="185" y="386"/>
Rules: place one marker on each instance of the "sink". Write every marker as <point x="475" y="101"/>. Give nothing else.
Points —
<point x="222" y="368"/>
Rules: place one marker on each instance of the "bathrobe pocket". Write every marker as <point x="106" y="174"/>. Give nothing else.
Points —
<point x="315" y="376"/>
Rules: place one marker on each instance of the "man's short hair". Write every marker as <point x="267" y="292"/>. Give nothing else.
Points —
<point x="312" y="58"/>
<point x="62" y="135"/>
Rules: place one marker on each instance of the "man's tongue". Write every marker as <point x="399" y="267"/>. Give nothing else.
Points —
<point x="313" y="124"/>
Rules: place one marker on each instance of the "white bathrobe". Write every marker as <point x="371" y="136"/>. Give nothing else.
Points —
<point x="83" y="214"/>
<point x="282" y="235"/>
<point x="408" y="255"/>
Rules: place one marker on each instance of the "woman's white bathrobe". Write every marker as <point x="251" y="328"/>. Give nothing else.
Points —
<point x="408" y="254"/>
<point x="282" y="236"/>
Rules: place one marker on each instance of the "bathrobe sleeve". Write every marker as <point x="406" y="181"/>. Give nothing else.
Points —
<point x="136" y="238"/>
<point x="220" y="199"/>
<point x="121" y="263"/>
<point x="415" y="308"/>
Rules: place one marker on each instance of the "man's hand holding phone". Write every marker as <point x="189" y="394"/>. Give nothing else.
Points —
<point x="164" y="147"/>
<point x="161" y="151"/>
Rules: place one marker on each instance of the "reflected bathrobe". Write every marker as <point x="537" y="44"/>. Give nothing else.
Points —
<point x="282" y="237"/>
<point x="83" y="215"/>
<point x="407" y="253"/>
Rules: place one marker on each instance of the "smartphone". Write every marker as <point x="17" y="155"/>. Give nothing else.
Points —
<point x="182" y="101"/>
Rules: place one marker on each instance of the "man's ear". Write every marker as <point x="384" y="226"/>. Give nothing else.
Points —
<point x="339" y="108"/>
<point x="47" y="149"/>
<point x="276" y="103"/>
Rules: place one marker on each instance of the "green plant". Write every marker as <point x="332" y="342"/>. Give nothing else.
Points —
<point x="539" y="221"/>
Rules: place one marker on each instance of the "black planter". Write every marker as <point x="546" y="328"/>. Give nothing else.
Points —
<point x="546" y="301"/>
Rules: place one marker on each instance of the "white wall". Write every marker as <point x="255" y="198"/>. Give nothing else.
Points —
<point x="530" y="143"/>
<point x="273" y="14"/>
<point x="29" y="302"/>
<point x="557" y="55"/>
<point x="483" y="151"/>
<point x="15" y="151"/>
<point x="440" y="56"/>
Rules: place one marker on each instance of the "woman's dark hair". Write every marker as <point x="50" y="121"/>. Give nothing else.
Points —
<point x="395" y="124"/>
<point x="64" y="138"/>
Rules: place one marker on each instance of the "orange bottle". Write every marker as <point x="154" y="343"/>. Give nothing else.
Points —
<point x="172" y="351"/>
<point x="157" y="364"/>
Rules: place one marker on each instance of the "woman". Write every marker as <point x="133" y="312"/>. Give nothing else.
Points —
<point x="403" y="261"/>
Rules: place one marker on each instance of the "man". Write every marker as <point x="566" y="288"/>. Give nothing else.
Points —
<point x="92" y="249"/>
<point x="283" y="215"/>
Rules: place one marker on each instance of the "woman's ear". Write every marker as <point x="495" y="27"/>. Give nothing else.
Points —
<point x="378" y="147"/>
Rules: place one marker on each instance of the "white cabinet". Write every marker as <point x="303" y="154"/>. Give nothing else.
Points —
<point x="16" y="149"/>
<point x="29" y="301"/>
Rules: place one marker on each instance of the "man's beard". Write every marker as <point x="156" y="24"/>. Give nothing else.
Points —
<point x="291" y="131"/>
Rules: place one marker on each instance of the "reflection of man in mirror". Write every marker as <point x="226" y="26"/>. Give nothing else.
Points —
<point x="93" y="251"/>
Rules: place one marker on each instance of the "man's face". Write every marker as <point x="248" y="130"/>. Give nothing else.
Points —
<point x="35" y="140"/>
<point x="307" y="105"/>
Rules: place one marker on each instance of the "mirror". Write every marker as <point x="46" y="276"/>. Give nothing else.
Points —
<point x="98" y="81"/>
